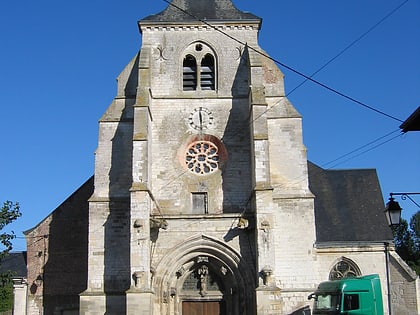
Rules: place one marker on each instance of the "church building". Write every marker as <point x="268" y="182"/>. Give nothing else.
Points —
<point x="203" y="201"/>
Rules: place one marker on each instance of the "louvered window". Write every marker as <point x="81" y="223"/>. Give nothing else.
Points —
<point x="189" y="69"/>
<point x="207" y="77"/>
<point x="199" y="68"/>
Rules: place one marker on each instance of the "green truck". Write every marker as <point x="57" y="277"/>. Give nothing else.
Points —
<point x="352" y="296"/>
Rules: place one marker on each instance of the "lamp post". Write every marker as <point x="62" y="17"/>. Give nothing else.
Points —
<point x="393" y="215"/>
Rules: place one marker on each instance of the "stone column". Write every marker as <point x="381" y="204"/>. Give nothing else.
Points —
<point x="20" y="292"/>
<point x="267" y="294"/>
<point x="140" y="295"/>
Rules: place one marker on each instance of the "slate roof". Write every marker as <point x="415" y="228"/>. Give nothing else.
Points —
<point x="349" y="206"/>
<point x="15" y="262"/>
<point x="209" y="10"/>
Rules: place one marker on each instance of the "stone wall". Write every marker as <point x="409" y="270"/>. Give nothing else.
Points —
<point x="405" y="291"/>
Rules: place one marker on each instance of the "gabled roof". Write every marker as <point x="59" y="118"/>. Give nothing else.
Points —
<point x="349" y="206"/>
<point x="76" y="199"/>
<point x="190" y="10"/>
<point x="16" y="263"/>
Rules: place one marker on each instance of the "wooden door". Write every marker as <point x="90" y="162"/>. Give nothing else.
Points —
<point x="203" y="308"/>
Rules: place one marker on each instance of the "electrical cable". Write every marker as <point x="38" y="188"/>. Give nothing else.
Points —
<point x="288" y="67"/>
<point x="334" y="58"/>
<point x="358" y="149"/>
<point x="302" y="178"/>
<point x="321" y="68"/>
<point x="348" y="46"/>
<point x="307" y="78"/>
<point x="370" y="149"/>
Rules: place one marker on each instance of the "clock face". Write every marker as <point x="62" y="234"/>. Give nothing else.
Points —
<point x="201" y="118"/>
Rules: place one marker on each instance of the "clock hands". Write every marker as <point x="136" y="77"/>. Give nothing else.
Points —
<point x="200" y="117"/>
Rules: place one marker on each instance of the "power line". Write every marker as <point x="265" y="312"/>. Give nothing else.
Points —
<point x="370" y="149"/>
<point x="349" y="46"/>
<point x="193" y="222"/>
<point x="359" y="148"/>
<point x="308" y="78"/>
<point x="301" y="178"/>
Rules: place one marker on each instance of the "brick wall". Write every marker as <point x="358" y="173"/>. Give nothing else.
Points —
<point x="57" y="255"/>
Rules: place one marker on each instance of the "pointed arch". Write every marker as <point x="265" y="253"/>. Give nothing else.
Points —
<point x="344" y="268"/>
<point x="235" y="284"/>
<point x="199" y="67"/>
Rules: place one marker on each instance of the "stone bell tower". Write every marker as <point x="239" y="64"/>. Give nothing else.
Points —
<point x="201" y="181"/>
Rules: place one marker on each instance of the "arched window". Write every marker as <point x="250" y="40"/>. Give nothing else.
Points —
<point x="344" y="268"/>
<point x="199" y="68"/>
<point x="189" y="75"/>
<point x="207" y="73"/>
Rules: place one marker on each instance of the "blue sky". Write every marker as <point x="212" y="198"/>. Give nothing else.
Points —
<point x="59" y="61"/>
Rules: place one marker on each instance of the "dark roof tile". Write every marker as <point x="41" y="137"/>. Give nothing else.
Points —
<point x="349" y="206"/>
<point x="15" y="262"/>
<point x="191" y="10"/>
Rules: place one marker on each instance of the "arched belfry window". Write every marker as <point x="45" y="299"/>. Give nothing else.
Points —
<point x="344" y="268"/>
<point x="199" y="68"/>
<point x="189" y="75"/>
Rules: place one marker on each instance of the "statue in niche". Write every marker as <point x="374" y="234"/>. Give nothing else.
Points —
<point x="203" y="272"/>
<point x="265" y="228"/>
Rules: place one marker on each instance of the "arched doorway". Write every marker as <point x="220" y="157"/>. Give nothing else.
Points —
<point x="203" y="292"/>
<point x="203" y="276"/>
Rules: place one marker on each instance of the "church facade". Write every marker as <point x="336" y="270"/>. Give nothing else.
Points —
<point x="203" y="201"/>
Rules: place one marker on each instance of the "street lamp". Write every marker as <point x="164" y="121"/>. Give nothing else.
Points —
<point x="393" y="209"/>
<point x="393" y="212"/>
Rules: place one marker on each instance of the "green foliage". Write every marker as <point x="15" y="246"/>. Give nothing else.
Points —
<point x="6" y="297"/>
<point x="407" y="241"/>
<point x="9" y="212"/>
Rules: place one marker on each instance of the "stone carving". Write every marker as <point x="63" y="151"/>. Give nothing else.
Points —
<point x="265" y="227"/>
<point x="139" y="279"/>
<point x="139" y="226"/>
<point x="165" y="296"/>
<point x="161" y="51"/>
<point x="240" y="50"/>
<point x="243" y="223"/>
<point x="138" y="223"/>
<point x="202" y="259"/>
<point x="158" y="224"/>
<point x="180" y="272"/>
<point x="203" y="272"/>
<point x="267" y="274"/>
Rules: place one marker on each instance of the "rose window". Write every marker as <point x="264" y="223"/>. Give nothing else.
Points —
<point x="202" y="157"/>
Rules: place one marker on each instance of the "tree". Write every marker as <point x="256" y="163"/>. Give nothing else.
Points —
<point x="9" y="212"/>
<point x="407" y="241"/>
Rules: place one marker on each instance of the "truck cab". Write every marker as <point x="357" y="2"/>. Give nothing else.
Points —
<point x="352" y="296"/>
